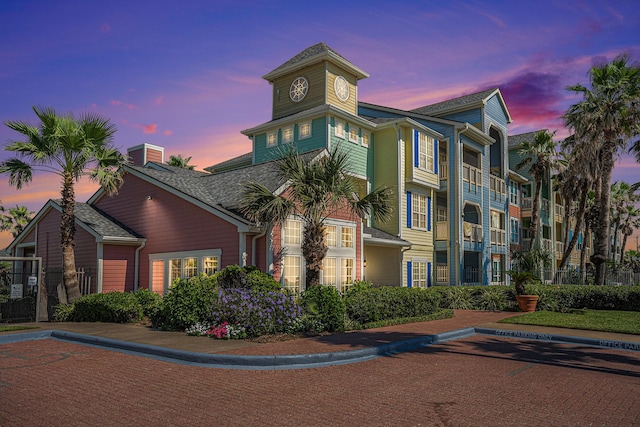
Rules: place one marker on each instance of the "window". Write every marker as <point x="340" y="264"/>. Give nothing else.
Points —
<point x="175" y="270"/>
<point x="292" y="273"/>
<point x="190" y="267"/>
<point x="365" y="139"/>
<point x="419" y="274"/>
<point x="441" y="214"/>
<point x="330" y="235"/>
<point x="353" y="134"/>
<point x="496" y="273"/>
<point x="287" y="134"/>
<point x="496" y="220"/>
<point x="292" y="232"/>
<point x="339" y="129"/>
<point x="209" y="265"/>
<point x="272" y="139"/>
<point x="515" y="230"/>
<point x="419" y="211"/>
<point x="347" y="237"/>
<point x="513" y="193"/>
<point x="425" y="152"/>
<point x="329" y="271"/>
<point x="304" y="130"/>
<point x="347" y="272"/>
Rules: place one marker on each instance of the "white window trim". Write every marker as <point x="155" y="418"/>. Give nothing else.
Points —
<point x="275" y="138"/>
<point x="284" y="132"/>
<point x="416" y="262"/>
<point x="168" y="256"/>
<point x="351" y="138"/>
<point x="414" y="205"/>
<point x="339" y="124"/>
<point x="300" y="136"/>
<point x="368" y="139"/>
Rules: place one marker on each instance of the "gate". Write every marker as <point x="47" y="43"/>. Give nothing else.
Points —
<point x="53" y="283"/>
<point x="20" y="289"/>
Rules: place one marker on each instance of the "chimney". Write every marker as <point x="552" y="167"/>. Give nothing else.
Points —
<point x="141" y="154"/>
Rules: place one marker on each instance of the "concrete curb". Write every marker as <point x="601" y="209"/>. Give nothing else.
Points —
<point x="301" y="361"/>
<point x="229" y="361"/>
<point x="565" y="339"/>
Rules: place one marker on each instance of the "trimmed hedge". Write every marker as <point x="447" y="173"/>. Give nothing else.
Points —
<point x="186" y="303"/>
<point x="112" y="307"/>
<point x="384" y="303"/>
<point x="325" y="304"/>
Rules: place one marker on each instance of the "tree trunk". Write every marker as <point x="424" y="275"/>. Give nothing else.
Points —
<point x="67" y="235"/>
<point x="314" y="249"/>
<point x="603" y="224"/>
<point x="583" y="256"/>
<point x="577" y="229"/>
<point x="535" y="215"/>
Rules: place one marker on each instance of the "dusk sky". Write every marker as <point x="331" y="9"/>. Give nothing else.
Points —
<point x="186" y="75"/>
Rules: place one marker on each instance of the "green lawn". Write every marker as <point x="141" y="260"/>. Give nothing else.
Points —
<point x="625" y="322"/>
<point x="8" y="328"/>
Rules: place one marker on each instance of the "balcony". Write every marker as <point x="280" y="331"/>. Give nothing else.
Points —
<point x="498" y="188"/>
<point x="472" y="232"/>
<point x="546" y="244"/>
<point x="559" y="246"/>
<point x="527" y="203"/>
<point x="471" y="178"/>
<point x="498" y="237"/>
<point x="443" y="170"/>
<point x="442" y="273"/>
<point x="559" y="210"/>
<point x="442" y="230"/>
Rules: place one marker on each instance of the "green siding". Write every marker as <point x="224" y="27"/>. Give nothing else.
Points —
<point x="317" y="140"/>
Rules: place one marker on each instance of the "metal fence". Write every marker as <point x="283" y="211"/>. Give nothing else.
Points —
<point x="473" y="276"/>
<point x="19" y="286"/>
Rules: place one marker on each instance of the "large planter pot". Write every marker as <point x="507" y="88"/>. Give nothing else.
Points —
<point x="527" y="303"/>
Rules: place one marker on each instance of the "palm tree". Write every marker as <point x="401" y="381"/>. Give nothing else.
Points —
<point x="539" y="156"/>
<point x="623" y="196"/>
<point x="630" y="222"/>
<point x="70" y="148"/>
<point x="16" y="220"/>
<point x="606" y="119"/>
<point x="317" y="188"/>
<point x="181" y="162"/>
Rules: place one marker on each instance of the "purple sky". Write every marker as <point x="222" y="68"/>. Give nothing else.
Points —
<point x="186" y="75"/>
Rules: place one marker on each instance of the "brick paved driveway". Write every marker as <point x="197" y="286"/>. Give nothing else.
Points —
<point x="478" y="381"/>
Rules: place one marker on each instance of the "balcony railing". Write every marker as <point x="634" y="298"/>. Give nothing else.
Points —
<point x="472" y="232"/>
<point x="545" y="244"/>
<point x="443" y="170"/>
<point x="559" y="209"/>
<point x="472" y="176"/>
<point x="498" y="237"/>
<point x="498" y="188"/>
<point x="442" y="230"/>
<point x="442" y="273"/>
<point x="559" y="249"/>
<point x="527" y="203"/>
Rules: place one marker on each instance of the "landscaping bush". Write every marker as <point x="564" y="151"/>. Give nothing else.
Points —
<point x="113" y="307"/>
<point x="376" y="304"/>
<point x="456" y="297"/>
<point x="249" y="277"/>
<point x="186" y="303"/>
<point x="254" y="311"/>
<point x="150" y="301"/>
<point x="324" y="303"/>
<point x="567" y="297"/>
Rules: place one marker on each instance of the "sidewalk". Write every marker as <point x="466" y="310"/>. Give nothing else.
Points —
<point x="320" y="350"/>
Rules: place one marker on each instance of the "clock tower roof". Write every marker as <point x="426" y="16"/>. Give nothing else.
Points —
<point x="312" y="55"/>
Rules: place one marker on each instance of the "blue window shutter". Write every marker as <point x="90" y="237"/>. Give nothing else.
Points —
<point x="409" y="274"/>
<point x="416" y="148"/>
<point x="428" y="213"/>
<point x="435" y="156"/>
<point x="409" y="211"/>
<point x="428" y="274"/>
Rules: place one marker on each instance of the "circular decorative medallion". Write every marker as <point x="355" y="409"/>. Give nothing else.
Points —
<point x="298" y="89"/>
<point x="341" y="88"/>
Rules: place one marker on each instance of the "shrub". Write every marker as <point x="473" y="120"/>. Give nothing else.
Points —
<point x="249" y="277"/>
<point x="113" y="307"/>
<point x="232" y="276"/>
<point x="186" y="303"/>
<point x="260" y="280"/>
<point x="456" y="297"/>
<point x="150" y="301"/>
<point x="63" y="313"/>
<point x="255" y="311"/>
<point x="324" y="303"/>
<point x="492" y="298"/>
<point x="376" y="304"/>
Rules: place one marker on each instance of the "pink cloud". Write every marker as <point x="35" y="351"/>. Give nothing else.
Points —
<point x="120" y="103"/>
<point x="159" y="100"/>
<point x="167" y="132"/>
<point x="149" y="128"/>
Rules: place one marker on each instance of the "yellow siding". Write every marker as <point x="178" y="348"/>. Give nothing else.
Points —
<point x="386" y="172"/>
<point x="351" y="104"/>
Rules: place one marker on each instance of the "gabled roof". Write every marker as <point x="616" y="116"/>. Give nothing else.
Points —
<point x="91" y="219"/>
<point x="465" y="102"/>
<point x="373" y="236"/>
<point x="516" y="140"/>
<point x="311" y="55"/>
<point x="246" y="158"/>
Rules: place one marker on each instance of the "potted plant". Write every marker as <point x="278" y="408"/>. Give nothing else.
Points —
<point x="526" y="302"/>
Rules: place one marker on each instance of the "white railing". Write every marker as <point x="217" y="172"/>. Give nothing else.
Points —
<point x="442" y="273"/>
<point x="498" y="188"/>
<point x="471" y="175"/>
<point x="545" y="205"/>
<point x="442" y="230"/>
<point x="559" y="249"/>
<point x="527" y="203"/>
<point x="559" y="211"/>
<point x="498" y="237"/>
<point x="443" y="170"/>
<point x="472" y="232"/>
<point x="547" y="244"/>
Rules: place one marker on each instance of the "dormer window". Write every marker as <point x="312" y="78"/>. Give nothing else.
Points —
<point x="365" y="139"/>
<point x="272" y="139"/>
<point x="339" y="129"/>
<point x="304" y="130"/>
<point x="353" y="134"/>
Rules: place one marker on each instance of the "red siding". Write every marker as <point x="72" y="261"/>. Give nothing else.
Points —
<point x="169" y="223"/>
<point x="118" y="268"/>
<point x="154" y="155"/>
<point x="136" y="157"/>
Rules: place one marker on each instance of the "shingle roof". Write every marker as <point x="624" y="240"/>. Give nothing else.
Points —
<point x="247" y="157"/>
<point x="452" y="104"/>
<point x="101" y="223"/>
<point x="516" y="140"/>
<point x="380" y="235"/>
